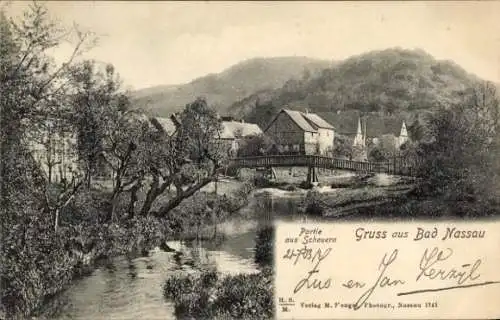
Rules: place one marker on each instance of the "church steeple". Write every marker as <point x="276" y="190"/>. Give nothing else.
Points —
<point x="403" y="135"/>
<point x="359" y="152"/>
<point x="404" y="132"/>
<point x="359" y="139"/>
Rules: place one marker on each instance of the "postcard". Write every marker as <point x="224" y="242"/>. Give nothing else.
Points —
<point x="216" y="160"/>
<point x="417" y="270"/>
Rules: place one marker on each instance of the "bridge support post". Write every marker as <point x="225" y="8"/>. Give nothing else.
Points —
<point x="271" y="173"/>
<point x="312" y="176"/>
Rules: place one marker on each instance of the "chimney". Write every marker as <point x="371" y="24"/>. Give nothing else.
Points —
<point x="242" y="121"/>
<point x="307" y="111"/>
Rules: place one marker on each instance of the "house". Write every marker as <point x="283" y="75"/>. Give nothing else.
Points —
<point x="54" y="151"/>
<point x="297" y="132"/>
<point x="392" y="140"/>
<point x="167" y="125"/>
<point x="234" y="132"/>
<point x="230" y="137"/>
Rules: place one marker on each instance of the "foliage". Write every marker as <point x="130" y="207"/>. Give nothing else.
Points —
<point x="264" y="246"/>
<point x="257" y="145"/>
<point x="52" y="230"/>
<point x="385" y="148"/>
<point x="313" y="204"/>
<point x="342" y="147"/>
<point x="204" y="210"/>
<point x="189" y="159"/>
<point x="98" y="103"/>
<point x="459" y="161"/>
<point x="386" y="81"/>
<point x="212" y="296"/>
<point x="32" y="91"/>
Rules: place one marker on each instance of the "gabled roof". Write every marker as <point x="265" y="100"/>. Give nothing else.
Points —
<point x="165" y="124"/>
<point x="306" y="121"/>
<point x="298" y="118"/>
<point x="231" y="129"/>
<point x="317" y="121"/>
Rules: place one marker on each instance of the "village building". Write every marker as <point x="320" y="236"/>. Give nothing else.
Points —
<point x="167" y="125"/>
<point x="392" y="140"/>
<point x="54" y="151"/>
<point x="231" y="137"/>
<point x="391" y="134"/>
<point x="235" y="132"/>
<point x="296" y="132"/>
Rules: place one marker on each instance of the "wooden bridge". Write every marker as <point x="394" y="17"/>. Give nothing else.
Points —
<point x="396" y="166"/>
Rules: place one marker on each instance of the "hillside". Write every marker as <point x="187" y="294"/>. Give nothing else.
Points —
<point x="233" y="84"/>
<point x="385" y="86"/>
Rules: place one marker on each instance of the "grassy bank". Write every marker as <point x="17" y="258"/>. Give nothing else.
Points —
<point x="401" y="198"/>
<point x="360" y="191"/>
<point x="210" y="295"/>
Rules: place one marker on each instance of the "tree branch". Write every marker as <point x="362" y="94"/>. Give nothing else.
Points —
<point x="181" y="196"/>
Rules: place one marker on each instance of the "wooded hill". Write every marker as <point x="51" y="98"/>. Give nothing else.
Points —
<point x="384" y="86"/>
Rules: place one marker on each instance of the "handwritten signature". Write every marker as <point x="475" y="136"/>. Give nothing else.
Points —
<point x="434" y="256"/>
<point x="432" y="268"/>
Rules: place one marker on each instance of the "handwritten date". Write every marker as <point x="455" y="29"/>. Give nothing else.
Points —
<point x="310" y="281"/>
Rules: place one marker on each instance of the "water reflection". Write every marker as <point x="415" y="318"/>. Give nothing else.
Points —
<point x="128" y="288"/>
<point x="132" y="288"/>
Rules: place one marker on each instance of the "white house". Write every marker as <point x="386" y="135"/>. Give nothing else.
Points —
<point x="233" y="132"/>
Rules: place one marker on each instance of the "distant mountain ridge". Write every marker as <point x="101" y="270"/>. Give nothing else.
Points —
<point x="232" y="84"/>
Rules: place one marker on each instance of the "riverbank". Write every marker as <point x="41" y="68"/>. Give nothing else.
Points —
<point x="194" y="222"/>
<point x="132" y="288"/>
<point x="76" y="250"/>
<point x="385" y="197"/>
<point x="212" y="295"/>
<point x="345" y="195"/>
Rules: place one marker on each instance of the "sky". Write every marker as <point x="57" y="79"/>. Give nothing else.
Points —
<point x="159" y="43"/>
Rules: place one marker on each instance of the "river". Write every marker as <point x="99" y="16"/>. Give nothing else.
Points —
<point x="127" y="288"/>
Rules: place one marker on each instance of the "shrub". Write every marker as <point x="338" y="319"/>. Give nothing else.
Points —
<point x="205" y="296"/>
<point x="261" y="182"/>
<point x="305" y="185"/>
<point x="264" y="246"/>
<point x="312" y="204"/>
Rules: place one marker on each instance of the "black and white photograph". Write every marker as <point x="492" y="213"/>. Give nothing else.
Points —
<point x="148" y="149"/>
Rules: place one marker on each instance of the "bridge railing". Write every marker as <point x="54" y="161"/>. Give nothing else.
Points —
<point x="396" y="166"/>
